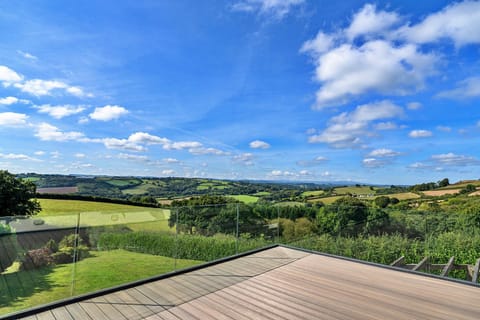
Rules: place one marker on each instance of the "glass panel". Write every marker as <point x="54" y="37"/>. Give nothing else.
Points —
<point x="33" y="269"/>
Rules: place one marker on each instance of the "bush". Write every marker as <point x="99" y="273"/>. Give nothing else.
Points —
<point x="52" y="245"/>
<point x="37" y="258"/>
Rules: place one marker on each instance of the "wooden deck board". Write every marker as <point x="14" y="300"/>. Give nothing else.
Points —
<point x="282" y="283"/>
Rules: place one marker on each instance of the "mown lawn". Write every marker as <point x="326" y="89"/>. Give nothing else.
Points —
<point x="65" y="213"/>
<point x="104" y="269"/>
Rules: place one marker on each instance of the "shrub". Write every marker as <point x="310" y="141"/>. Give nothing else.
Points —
<point x="37" y="258"/>
<point x="52" y="245"/>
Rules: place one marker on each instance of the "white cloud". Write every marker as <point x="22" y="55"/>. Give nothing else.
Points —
<point x="459" y="22"/>
<point x="244" y="158"/>
<point x="305" y="173"/>
<point x="280" y="173"/>
<point x="468" y="88"/>
<point x="414" y="105"/>
<point x="181" y="145"/>
<point x="108" y="113"/>
<point x="444" y="128"/>
<point x="10" y="100"/>
<point x="258" y="144"/>
<point x="80" y="155"/>
<point x="386" y="126"/>
<point x="48" y="132"/>
<point x="420" y="134"/>
<point x="168" y="172"/>
<point x="373" y="163"/>
<point x="8" y="76"/>
<point x="12" y="119"/>
<point x="146" y="138"/>
<point x="39" y="153"/>
<point x="55" y="154"/>
<point x="27" y="55"/>
<point x="275" y="8"/>
<point x="171" y="160"/>
<point x="321" y="159"/>
<point x="122" y="144"/>
<point x="13" y="156"/>
<point x="59" y="112"/>
<point x="132" y="157"/>
<point x="206" y="151"/>
<point x="39" y="87"/>
<point x="347" y="129"/>
<point x="383" y="153"/>
<point x="348" y="71"/>
<point x="369" y="21"/>
<point x="451" y="159"/>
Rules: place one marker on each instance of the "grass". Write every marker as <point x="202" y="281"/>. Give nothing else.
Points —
<point x="138" y="190"/>
<point x="123" y="182"/>
<point x="65" y="213"/>
<point x="326" y="200"/>
<point x="403" y="195"/>
<point x="103" y="269"/>
<point x="262" y="193"/>
<point x="212" y="185"/>
<point x="355" y="190"/>
<point x="314" y="193"/>
<point x="245" y="198"/>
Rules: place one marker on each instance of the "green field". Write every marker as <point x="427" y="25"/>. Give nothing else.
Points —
<point x="262" y="193"/>
<point x="138" y="190"/>
<point x="355" y="190"/>
<point x="403" y="195"/>
<point x="314" y="193"/>
<point x="245" y="198"/>
<point x="219" y="185"/>
<point x="103" y="269"/>
<point x="123" y="182"/>
<point x="65" y="213"/>
<point x="326" y="200"/>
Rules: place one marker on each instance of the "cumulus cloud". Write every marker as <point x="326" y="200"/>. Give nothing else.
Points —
<point x="122" y="144"/>
<point x="146" y="138"/>
<point x="8" y="76"/>
<point x="468" y="88"/>
<point x="458" y="22"/>
<point x="275" y="8"/>
<point x="258" y="144"/>
<point x="12" y="100"/>
<point x="12" y="119"/>
<point x="348" y="129"/>
<point x="39" y="153"/>
<point x="108" y="113"/>
<point x="369" y="21"/>
<point x="420" y="134"/>
<point x="48" y="132"/>
<point x="280" y="173"/>
<point x="168" y="172"/>
<point x="59" y="112"/>
<point x="379" y="52"/>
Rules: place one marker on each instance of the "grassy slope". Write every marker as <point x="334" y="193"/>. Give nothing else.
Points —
<point x="64" y="213"/>
<point x="354" y="190"/>
<point x="245" y="198"/>
<point x="102" y="270"/>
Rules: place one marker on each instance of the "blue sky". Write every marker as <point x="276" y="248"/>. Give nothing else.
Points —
<point x="383" y="92"/>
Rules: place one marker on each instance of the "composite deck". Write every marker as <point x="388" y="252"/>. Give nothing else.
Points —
<point x="283" y="283"/>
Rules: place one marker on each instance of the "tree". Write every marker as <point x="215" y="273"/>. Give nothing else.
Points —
<point x="382" y="201"/>
<point x="443" y="183"/>
<point x="17" y="196"/>
<point x="351" y="213"/>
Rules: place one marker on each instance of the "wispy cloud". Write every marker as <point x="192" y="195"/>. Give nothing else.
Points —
<point x="12" y="100"/>
<point x="275" y="8"/>
<point x="14" y="156"/>
<point x="39" y="87"/>
<point x="27" y="55"/>
<point x="468" y="88"/>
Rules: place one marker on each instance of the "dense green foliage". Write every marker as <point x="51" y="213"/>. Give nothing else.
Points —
<point x="183" y="246"/>
<point x="17" y="196"/>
